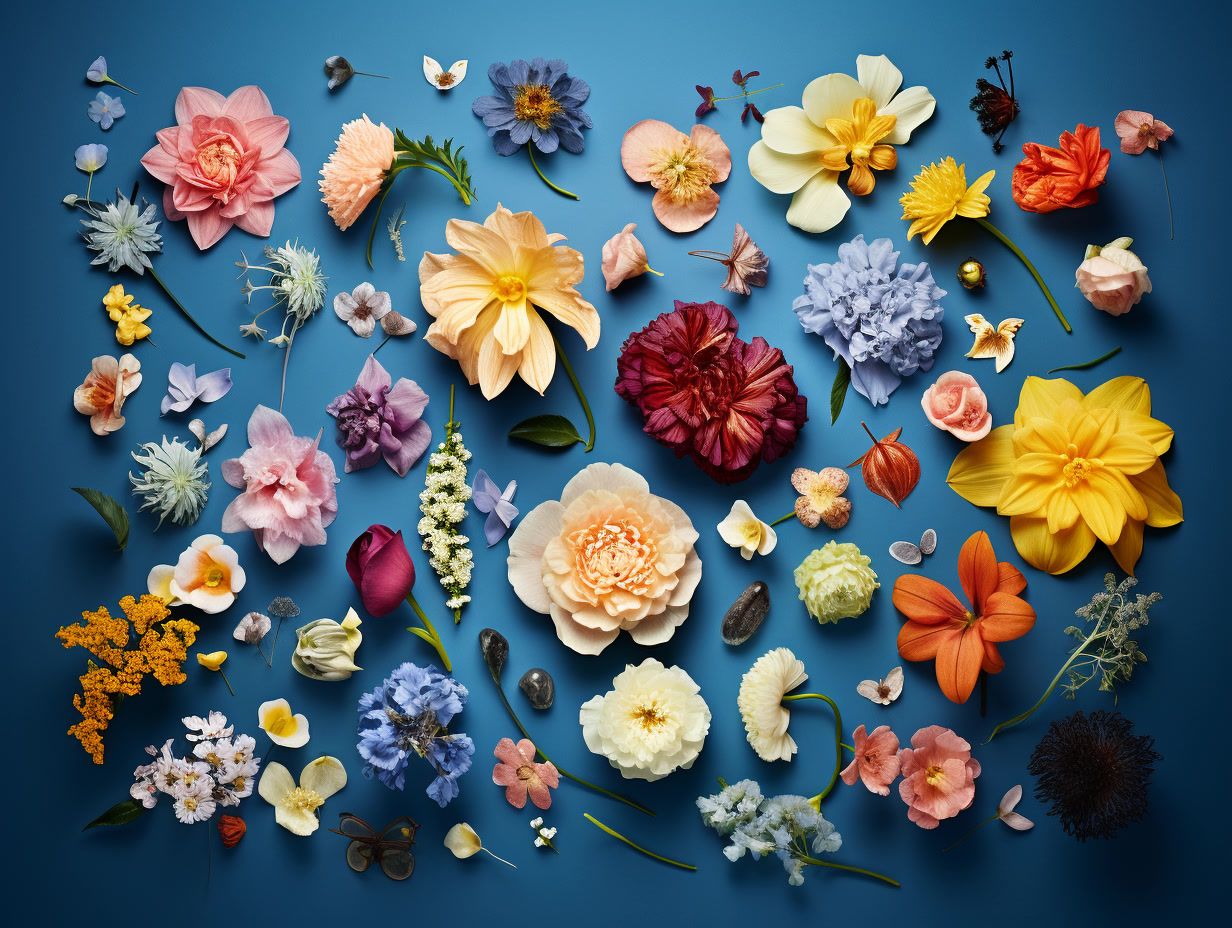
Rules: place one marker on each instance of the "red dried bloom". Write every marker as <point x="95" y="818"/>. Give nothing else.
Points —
<point x="705" y="393"/>
<point x="707" y="104"/>
<point x="232" y="829"/>
<point x="996" y="106"/>
<point x="1049" y="178"/>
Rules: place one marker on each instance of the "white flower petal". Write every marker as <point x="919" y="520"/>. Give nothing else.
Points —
<point x="894" y="680"/>
<point x="879" y="78"/>
<point x="790" y="132"/>
<point x="911" y="109"/>
<point x="462" y="841"/>
<point x="526" y="545"/>
<point x="324" y="776"/>
<point x="602" y="476"/>
<point x="831" y="96"/>
<point x="296" y="820"/>
<point x="819" y="205"/>
<point x="781" y="173"/>
<point x="431" y="70"/>
<point x="1012" y="797"/>
<point x="275" y="783"/>
<point x="458" y="70"/>
<point x="1017" y="822"/>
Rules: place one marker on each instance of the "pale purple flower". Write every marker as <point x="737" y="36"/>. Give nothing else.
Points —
<point x="105" y="110"/>
<point x="499" y="506"/>
<point x="365" y="306"/>
<point x="378" y="418"/>
<point x="90" y="158"/>
<point x="97" y="71"/>
<point x="184" y="387"/>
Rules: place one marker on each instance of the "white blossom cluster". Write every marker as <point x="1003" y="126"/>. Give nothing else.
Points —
<point x="443" y="504"/>
<point x="543" y="835"/>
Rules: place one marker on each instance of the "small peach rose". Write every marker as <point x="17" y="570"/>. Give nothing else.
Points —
<point x="624" y="257"/>
<point x="1112" y="278"/>
<point x="956" y="404"/>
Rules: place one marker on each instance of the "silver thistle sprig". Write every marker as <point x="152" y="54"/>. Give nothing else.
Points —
<point x="396" y="222"/>
<point x="1106" y="647"/>
<point x="443" y="506"/>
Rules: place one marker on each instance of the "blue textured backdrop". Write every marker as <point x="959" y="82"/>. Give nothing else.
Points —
<point x="641" y="61"/>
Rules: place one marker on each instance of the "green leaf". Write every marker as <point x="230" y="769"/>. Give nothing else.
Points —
<point x="112" y="512"/>
<point x="548" y="431"/>
<point x="838" y="392"/>
<point x="1087" y="365"/>
<point x="120" y="814"/>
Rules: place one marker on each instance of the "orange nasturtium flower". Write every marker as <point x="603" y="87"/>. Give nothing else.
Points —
<point x="963" y="640"/>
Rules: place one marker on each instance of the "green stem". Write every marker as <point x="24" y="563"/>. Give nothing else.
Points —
<point x="969" y="833"/>
<point x="430" y="636"/>
<point x="376" y="218"/>
<point x="561" y="190"/>
<point x="849" y="869"/>
<point x="637" y="847"/>
<point x="108" y="79"/>
<point x="222" y="673"/>
<point x="1088" y="364"/>
<point x="651" y="270"/>
<point x="816" y="801"/>
<point x="89" y="184"/>
<point x="187" y="315"/>
<point x="1168" y="194"/>
<point x="1005" y="240"/>
<point x="383" y="77"/>
<point x="747" y="93"/>
<point x="781" y="519"/>
<point x="577" y="388"/>
<point x="286" y="362"/>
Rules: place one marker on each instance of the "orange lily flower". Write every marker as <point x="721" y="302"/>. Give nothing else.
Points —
<point x="963" y="641"/>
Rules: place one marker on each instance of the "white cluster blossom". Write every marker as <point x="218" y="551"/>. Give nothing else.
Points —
<point x="543" y="835"/>
<point x="443" y="504"/>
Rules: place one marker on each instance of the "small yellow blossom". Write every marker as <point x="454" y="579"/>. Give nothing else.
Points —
<point x="939" y="193"/>
<point x="128" y="316"/>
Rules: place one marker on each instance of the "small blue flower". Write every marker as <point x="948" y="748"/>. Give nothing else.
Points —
<point x="97" y="71"/>
<point x="90" y="158"/>
<point x="105" y="110"/>
<point x="536" y="102"/>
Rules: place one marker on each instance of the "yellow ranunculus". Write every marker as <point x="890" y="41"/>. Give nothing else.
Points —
<point x="1074" y="469"/>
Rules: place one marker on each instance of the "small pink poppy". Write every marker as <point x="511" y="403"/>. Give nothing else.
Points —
<point x="521" y="776"/>
<point x="680" y="167"/>
<point x="624" y="257"/>
<point x="1139" y="131"/>
<point x="938" y="776"/>
<point x="876" y="763"/>
<point x="956" y="404"/>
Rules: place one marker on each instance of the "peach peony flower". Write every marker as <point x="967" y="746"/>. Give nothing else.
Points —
<point x="876" y="762"/>
<point x="624" y="257"/>
<point x="102" y="394"/>
<point x="224" y="162"/>
<point x="938" y="776"/>
<point x="485" y="299"/>
<point x="356" y="169"/>
<point x="1112" y="278"/>
<point x="680" y="167"/>
<point x="610" y="555"/>
<point x="956" y="404"/>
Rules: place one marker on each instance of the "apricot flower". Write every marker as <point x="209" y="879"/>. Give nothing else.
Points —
<point x="876" y="763"/>
<point x="938" y="776"/>
<point x="102" y="394"/>
<point x="956" y="404"/>
<point x="682" y="168"/>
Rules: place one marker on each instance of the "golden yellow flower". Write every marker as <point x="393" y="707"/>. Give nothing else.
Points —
<point x="128" y="316"/>
<point x="212" y="661"/>
<point x="858" y="139"/>
<point x="1074" y="469"/>
<point x="939" y="193"/>
<point x="485" y="299"/>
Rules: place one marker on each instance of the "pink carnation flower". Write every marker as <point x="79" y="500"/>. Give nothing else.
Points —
<point x="938" y="776"/>
<point x="288" y="493"/>
<point x="876" y="763"/>
<point x="223" y="163"/>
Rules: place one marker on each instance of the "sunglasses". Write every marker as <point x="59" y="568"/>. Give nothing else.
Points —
<point x="391" y="847"/>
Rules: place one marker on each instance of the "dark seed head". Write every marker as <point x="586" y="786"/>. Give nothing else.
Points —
<point x="495" y="650"/>
<point x="539" y="687"/>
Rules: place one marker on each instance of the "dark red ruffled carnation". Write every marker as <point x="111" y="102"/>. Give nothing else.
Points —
<point x="726" y="403"/>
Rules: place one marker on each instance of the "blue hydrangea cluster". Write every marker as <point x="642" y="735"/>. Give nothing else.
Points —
<point x="408" y="715"/>
<point x="882" y="319"/>
<point x="536" y="102"/>
<point x="785" y="826"/>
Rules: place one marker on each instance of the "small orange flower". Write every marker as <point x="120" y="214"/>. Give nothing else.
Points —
<point x="1049" y="178"/>
<point x="963" y="641"/>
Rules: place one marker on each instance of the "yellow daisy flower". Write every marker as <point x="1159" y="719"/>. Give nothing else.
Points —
<point x="939" y="193"/>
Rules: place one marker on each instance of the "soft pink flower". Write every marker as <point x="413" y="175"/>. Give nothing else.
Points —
<point x="288" y="493"/>
<point x="938" y="776"/>
<point x="102" y="394"/>
<point x="1139" y="131"/>
<point x="956" y="404"/>
<point x="1113" y="278"/>
<point x="624" y="257"/>
<point x="521" y="776"/>
<point x="680" y="167"/>
<point x="876" y="763"/>
<point x="223" y="163"/>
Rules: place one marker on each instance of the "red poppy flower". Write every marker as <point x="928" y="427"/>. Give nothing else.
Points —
<point x="963" y="641"/>
<point x="1049" y="178"/>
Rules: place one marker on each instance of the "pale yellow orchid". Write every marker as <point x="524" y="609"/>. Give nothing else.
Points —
<point x="996" y="343"/>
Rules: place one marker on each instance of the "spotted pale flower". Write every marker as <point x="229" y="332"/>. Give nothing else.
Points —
<point x="939" y="193"/>
<point x="296" y="805"/>
<point x="681" y="168"/>
<point x="774" y="675"/>
<point x="821" y="496"/>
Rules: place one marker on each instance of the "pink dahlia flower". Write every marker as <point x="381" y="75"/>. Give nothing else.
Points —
<point x="938" y="776"/>
<point x="223" y="162"/>
<point x="288" y="493"/>
<point x="705" y="393"/>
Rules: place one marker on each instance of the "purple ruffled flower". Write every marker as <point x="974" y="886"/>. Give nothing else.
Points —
<point x="536" y="101"/>
<point x="882" y="319"/>
<point x="378" y="418"/>
<point x="184" y="387"/>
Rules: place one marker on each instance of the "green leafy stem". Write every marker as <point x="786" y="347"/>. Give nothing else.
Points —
<point x="428" y="633"/>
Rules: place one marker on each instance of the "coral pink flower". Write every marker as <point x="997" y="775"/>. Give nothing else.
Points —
<point x="876" y="763"/>
<point x="624" y="257"/>
<point x="680" y="167"/>
<point x="1048" y="178"/>
<point x="956" y="404"/>
<point x="288" y="493"/>
<point x="102" y="394"/>
<point x="224" y="162"/>
<point x="938" y="776"/>
<point x="1139" y="131"/>
<point x="521" y="776"/>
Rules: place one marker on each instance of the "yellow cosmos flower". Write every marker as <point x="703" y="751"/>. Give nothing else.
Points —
<point x="485" y="299"/>
<point x="939" y="193"/>
<point x="1074" y="469"/>
<point x="128" y="316"/>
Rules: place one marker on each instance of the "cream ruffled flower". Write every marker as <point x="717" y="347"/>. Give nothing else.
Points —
<point x="653" y="722"/>
<point x="804" y="149"/>
<point x="284" y="728"/>
<point x="610" y="555"/>
<point x="774" y="675"/>
<point x="325" y="649"/>
<point x="743" y="530"/>
<point x="295" y="806"/>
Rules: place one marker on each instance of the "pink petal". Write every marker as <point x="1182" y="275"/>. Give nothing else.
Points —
<point x="280" y="172"/>
<point x="268" y="427"/>
<point x="540" y="795"/>
<point x="269" y="133"/>
<point x="643" y="144"/>
<point x="247" y="104"/>
<point x="161" y="163"/>
<point x="197" y="101"/>
<point x="207" y="227"/>
<point x="1017" y="822"/>
<point x="685" y="217"/>
<point x="714" y="148"/>
<point x="258" y="219"/>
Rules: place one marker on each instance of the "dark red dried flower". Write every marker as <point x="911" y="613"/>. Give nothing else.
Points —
<point x="750" y="109"/>
<point x="739" y="78"/>
<point x="707" y="104"/>
<point x="707" y="394"/>
<point x="232" y="829"/>
<point x="996" y="106"/>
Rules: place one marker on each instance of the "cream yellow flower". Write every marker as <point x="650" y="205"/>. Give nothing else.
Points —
<point x="485" y="299"/>
<point x="1074" y="469"/>
<point x="295" y="806"/>
<point x="284" y="728"/>
<point x="939" y="193"/>
<point x="775" y="674"/>
<point x="743" y="530"/>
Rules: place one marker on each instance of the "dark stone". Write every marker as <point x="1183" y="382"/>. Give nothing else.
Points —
<point x="495" y="650"/>
<point x="539" y="687"/>
<point x="746" y="613"/>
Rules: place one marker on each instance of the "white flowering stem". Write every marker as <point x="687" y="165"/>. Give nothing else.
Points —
<point x="430" y="635"/>
<point x="187" y="315"/>
<point x="561" y="190"/>
<point x="577" y="388"/>
<point x="815" y="802"/>
<point x="637" y="847"/>
<point x="1167" y="193"/>
<point x="813" y="861"/>
<point x="1008" y="243"/>
<point x="781" y="519"/>
<point x="501" y="859"/>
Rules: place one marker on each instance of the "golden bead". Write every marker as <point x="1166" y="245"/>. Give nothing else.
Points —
<point x="971" y="274"/>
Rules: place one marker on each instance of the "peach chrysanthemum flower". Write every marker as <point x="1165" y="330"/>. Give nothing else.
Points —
<point x="355" y="171"/>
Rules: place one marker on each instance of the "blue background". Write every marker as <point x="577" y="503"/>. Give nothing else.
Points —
<point x="641" y="61"/>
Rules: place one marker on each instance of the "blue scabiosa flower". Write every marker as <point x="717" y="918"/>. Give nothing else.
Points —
<point x="105" y="110"/>
<point x="408" y="715"/>
<point x="882" y="319"/>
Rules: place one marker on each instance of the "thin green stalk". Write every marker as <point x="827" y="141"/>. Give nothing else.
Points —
<point x="577" y="388"/>
<point x="561" y="190"/>
<point x="89" y="184"/>
<point x="781" y="519"/>
<point x="1008" y="243"/>
<point x="860" y="870"/>
<point x="1168" y="194"/>
<point x="816" y="801"/>
<point x="107" y="79"/>
<point x="286" y="361"/>
<point x="430" y="635"/>
<point x="187" y="315"/>
<point x="1085" y="365"/>
<point x="969" y="833"/>
<point x="637" y="847"/>
<point x="376" y="218"/>
<point x="747" y="93"/>
<point x="222" y="673"/>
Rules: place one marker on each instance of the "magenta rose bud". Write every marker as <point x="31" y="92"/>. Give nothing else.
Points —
<point x="381" y="569"/>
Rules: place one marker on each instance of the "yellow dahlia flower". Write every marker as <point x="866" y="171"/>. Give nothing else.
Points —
<point x="940" y="193"/>
<point x="485" y="299"/>
<point x="1074" y="469"/>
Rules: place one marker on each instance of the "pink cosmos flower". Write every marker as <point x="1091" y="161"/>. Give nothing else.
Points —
<point x="288" y="493"/>
<point x="223" y="163"/>
<point x="956" y="404"/>
<point x="876" y="763"/>
<point x="938" y="776"/>
<point x="521" y="776"/>
<point x="1139" y="131"/>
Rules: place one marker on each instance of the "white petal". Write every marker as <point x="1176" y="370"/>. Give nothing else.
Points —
<point x="462" y="841"/>
<point x="769" y="539"/>
<point x="526" y="545"/>
<point x="296" y="820"/>
<point x="160" y="581"/>
<point x="894" y="680"/>
<point x="1012" y="797"/>
<point x="789" y="131"/>
<point x="432" y="70"/>
<point x="275" y="783"/>
<point x="869" y="689"/>
<point x="879" y="78"/>
<point x="911" y="109"/>
<point x="601" y="476"/>
<point x="831" y="96"/>
<point x="578" y="637"/>
<point x="458" y="70"/>
<point x="1017" y="822"/>
<point x="819" y="205"/>
<point x="325" y="776"/>
<point x="781" y="173"/>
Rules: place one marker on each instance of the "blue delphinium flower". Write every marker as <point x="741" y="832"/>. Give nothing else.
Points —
<point x="882" y="319"/>
<point x="409" y="714"/>
<point x="105" y="110"/>
<point x="536" y="102"/>
<point x="734" y="807"/>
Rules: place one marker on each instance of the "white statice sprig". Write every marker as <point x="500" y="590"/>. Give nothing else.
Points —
<point x="443" y="506"/>
<point x="395" y="224"/>
<point x="543" y="834"/>
<point x="172" y="480"/>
